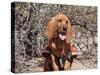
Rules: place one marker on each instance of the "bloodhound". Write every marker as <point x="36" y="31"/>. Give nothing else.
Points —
<point x="59" y="34"/>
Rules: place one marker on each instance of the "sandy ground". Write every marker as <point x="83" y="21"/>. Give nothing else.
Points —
<point x="36" y="65"/>
<point x="77" y="65"/>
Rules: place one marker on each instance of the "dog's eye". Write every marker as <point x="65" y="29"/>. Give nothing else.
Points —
<point x="66" y="21"/>
<point x="59" y="20"/>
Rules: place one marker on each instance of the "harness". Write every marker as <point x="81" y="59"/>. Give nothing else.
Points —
<point x="60" y="60"/>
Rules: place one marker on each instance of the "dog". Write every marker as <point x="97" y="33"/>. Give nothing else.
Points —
<point x="59" y="34"/>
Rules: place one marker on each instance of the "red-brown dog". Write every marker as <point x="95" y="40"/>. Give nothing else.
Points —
<point x="59" y="34"/>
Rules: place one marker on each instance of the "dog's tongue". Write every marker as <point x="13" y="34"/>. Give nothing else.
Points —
<point x="62" y="37"/>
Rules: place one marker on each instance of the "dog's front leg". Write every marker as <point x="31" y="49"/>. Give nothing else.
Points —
<point x="67" y="65"/>
<point x="54" y="65"/>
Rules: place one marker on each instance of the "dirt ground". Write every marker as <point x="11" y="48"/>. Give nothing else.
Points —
<point x="76" y="65"/>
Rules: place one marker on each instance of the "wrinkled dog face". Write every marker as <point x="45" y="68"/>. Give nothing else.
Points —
<point x="60" y="26"/>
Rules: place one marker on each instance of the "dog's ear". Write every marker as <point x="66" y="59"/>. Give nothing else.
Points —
<point x="69" y="33"/>
<point x="51" y="28"/>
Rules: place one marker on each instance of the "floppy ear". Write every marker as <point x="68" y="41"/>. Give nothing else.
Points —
<point x="69" y="33"/>
<point x="51" y="28"/>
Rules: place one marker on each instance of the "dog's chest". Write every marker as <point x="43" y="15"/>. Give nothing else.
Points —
<point x="60" y="47"/>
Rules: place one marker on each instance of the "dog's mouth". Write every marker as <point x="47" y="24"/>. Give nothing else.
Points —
<point x="62" y="36"/>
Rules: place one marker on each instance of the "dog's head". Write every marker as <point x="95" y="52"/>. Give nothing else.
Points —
<point x="59" y="26"/>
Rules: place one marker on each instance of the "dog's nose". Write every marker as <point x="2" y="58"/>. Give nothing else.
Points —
<point x="64" y="29"/>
